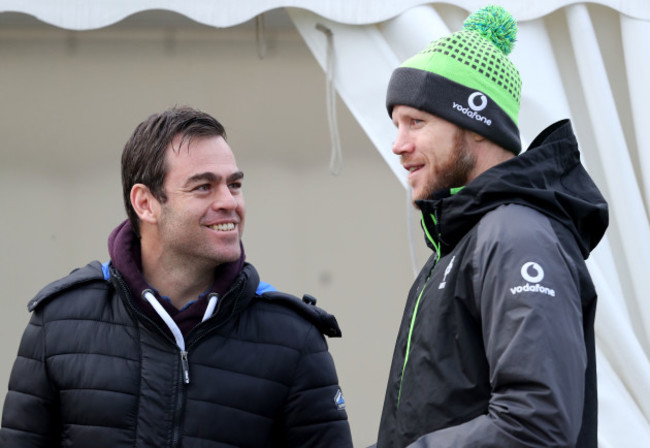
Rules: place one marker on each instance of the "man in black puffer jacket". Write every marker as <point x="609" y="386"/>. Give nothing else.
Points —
<point x="175" y="342"/>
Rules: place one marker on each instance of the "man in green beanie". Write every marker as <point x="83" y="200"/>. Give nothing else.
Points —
<point x="496" y="345"/>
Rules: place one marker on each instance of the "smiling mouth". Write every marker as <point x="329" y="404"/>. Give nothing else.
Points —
<point x="223" y="227"/>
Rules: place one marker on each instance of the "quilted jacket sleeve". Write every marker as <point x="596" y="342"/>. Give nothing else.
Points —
<point x="29" y="418"/>
<point x="315" y="412"/>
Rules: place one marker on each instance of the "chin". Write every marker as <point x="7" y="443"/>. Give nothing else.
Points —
<point x="231" y="255"/>
<point x="418" y="195"/>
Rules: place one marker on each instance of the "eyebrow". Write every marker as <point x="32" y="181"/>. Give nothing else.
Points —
<point x="211" y="177"/>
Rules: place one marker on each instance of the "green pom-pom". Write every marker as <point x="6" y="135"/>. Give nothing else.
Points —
<point x="496" y="24"/>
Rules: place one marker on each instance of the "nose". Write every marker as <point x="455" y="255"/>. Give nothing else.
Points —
<point x="402" y="143"/>
<point x="224" y="200"/>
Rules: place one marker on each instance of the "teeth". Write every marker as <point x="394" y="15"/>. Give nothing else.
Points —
<point x="223" y="227"/>
<point x="413" y="168"/>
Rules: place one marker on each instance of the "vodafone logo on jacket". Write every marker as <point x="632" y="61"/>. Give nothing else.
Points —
<point x="537" y="272"/>
<point x="533" y="274"/>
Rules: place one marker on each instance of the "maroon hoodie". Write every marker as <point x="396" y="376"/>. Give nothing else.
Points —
<point x="124" y="250"/>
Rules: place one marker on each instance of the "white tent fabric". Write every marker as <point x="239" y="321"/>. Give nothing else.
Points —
<point x="586" y="61"/>
<point x="84" y="15"/>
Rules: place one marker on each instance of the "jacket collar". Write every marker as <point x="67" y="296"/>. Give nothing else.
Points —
<point x="548" y="177"/>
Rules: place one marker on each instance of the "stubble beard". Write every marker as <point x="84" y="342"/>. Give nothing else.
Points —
<point x="192" y="249"/>
<point x="454" y="172"/>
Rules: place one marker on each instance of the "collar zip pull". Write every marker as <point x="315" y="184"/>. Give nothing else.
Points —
<point x="186" y="367"/>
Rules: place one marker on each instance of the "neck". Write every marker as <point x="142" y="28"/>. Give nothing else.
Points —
<point x="180" y="280"/>
<point x="488" y="155"/>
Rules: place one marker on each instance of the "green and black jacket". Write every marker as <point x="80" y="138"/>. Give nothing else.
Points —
<point x="496" y="345"/>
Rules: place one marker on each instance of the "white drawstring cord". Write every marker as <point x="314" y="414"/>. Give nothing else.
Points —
<point x="212" y="304"/>
<point x="164" y="315"/>
<point x="260" y="36"/>
<point x="336" y="160"/>
<point x="176" y="332"/>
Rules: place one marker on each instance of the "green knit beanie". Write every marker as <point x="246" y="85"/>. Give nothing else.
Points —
<point x="467" y="79"/>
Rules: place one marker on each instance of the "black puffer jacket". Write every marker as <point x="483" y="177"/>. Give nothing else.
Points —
<point x="496" y="348"/>
<point x="94" y="371"/>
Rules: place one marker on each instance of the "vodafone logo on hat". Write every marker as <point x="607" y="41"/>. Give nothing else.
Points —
<point x="471" y="101"/>
<point x="476" y="102"/>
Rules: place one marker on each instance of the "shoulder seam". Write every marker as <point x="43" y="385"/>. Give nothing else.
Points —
<point x="326" y="323"/>
<point x="90" y="273"/>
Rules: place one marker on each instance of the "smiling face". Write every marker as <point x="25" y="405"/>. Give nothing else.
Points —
<point x="202" y="219"/>
<point x="436" y="153"/>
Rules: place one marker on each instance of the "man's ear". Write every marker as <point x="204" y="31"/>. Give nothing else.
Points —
<point x="476" y="137"/>
<point x="144" y="203"/>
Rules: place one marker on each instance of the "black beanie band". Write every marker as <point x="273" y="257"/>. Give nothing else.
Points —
<point x="467" y="108"/>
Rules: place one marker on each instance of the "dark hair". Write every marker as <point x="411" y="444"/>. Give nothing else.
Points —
<point x="143" y="158"/>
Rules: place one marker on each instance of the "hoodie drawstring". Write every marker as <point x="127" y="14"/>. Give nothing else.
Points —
<point x="148" y="295"/>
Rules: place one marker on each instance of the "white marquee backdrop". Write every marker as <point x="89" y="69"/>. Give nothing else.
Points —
<point x="84" y="15"/>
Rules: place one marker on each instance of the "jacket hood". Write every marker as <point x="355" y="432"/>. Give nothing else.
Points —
<point x="548" y="177"/>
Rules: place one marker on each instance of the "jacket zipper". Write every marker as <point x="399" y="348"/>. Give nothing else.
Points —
<point x="417" y="305"/>
<point x="179" y="409"/>
<point x="184" y="377"/>
<point x="408" y="341"/>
